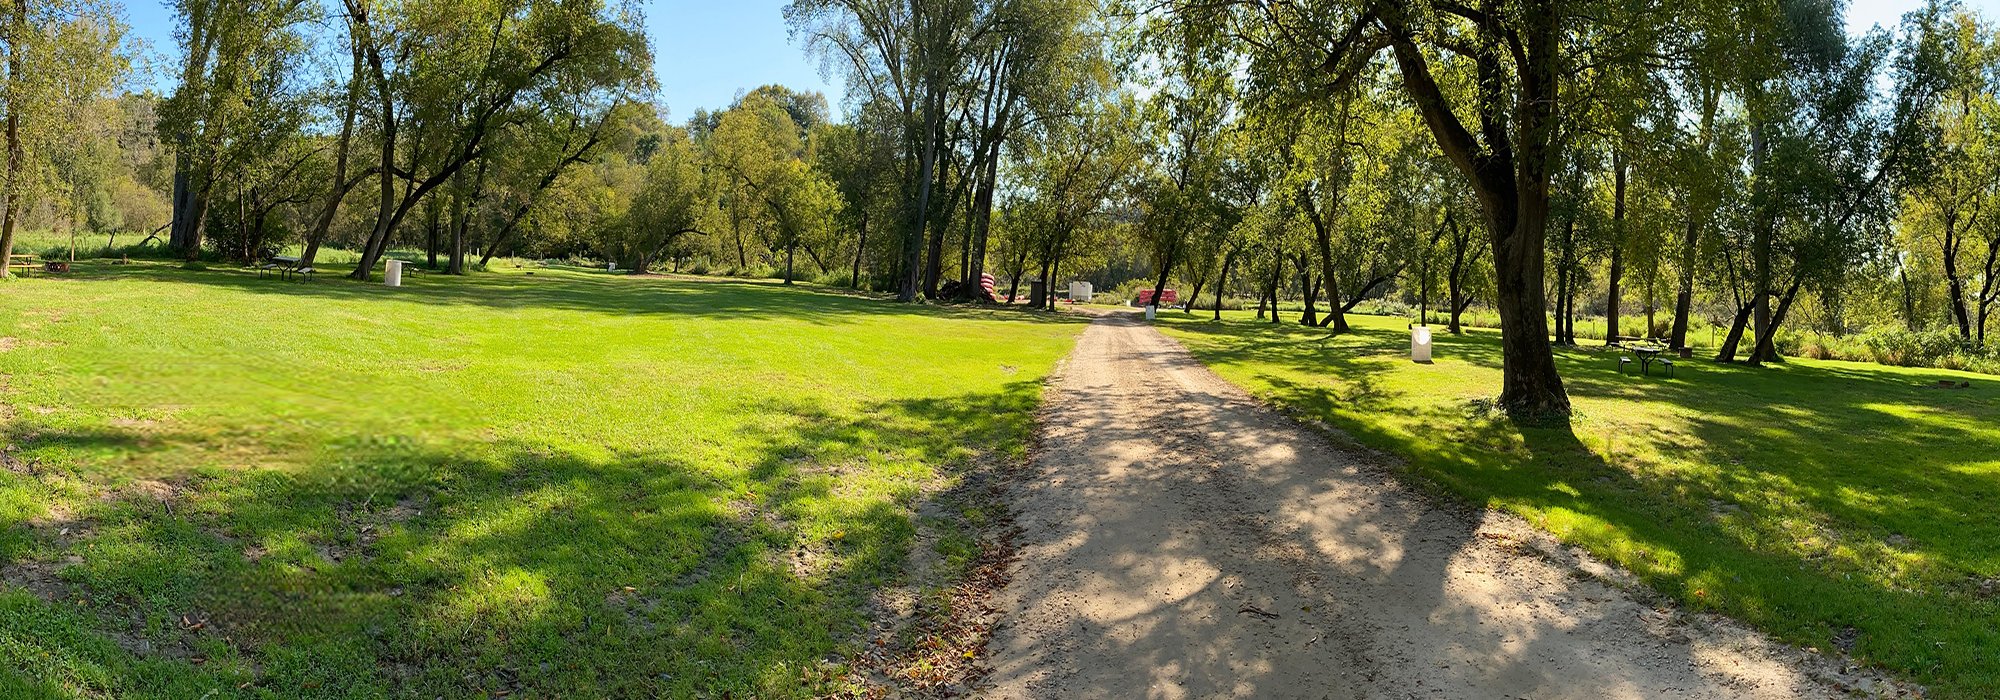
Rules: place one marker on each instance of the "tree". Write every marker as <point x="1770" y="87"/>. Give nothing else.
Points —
<point x="910" y="54"/>
<point x="1525" y="56"/>
<point x="62" y="56"/>
<point x="452" y="73"/>
<point x="236" y="103"/>
<point x="1952" y="189"/>
<point x="1070" y="171"/>
<point x="669" y="205"/>
<point x="1185" y="125"/>
<point x="764" y="151"/>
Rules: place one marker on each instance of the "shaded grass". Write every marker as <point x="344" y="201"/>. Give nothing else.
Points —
<point x="1834" y="504"/>
<point x="564" y="484"/>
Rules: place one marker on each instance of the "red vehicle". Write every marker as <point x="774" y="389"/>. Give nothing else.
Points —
<point x="1168" y="297"/>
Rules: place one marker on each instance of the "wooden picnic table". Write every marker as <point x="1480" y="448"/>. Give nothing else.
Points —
<point x="25" y="261"/>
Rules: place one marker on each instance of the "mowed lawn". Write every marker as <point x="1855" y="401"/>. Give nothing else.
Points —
<point x="558" y="484"/>
<point x="1838" y="505"/>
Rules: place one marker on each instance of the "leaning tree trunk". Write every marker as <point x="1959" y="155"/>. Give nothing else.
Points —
<point x="338" y="191"/>
<point x="1166" y="269"/>
<point x="1727" y="353"/>
<point x="1766" y="349"/>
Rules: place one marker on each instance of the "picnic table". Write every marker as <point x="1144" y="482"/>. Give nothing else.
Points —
<point x="1646" y="354"/>
<point x="25" y="261"/>
<point x="286" y="266"/>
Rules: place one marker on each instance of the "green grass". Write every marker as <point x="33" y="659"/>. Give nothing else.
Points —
<point x="1808" y="498"/>
<point x="556" y="485"/>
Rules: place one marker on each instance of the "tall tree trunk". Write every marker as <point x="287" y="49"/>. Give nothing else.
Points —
<point x="1322" y="224"/>
<point x="1684" y="295"/>
<point x="860" y="251"/>
<point x="1909" y="298"/>
<point x="940" y="229"/>
<point x="1228" y="259"/>
<point x="1955" y="282"/>
<point x="433" y="214"/>
<point x="983" y="217"/>
<point x="1455" y="280"/>
<point x="1762" y="232"/>
<point x="1566" y="285"/>
<point x="1696" y="221"/>
<point x="1617" y="274"/>
<point x="913" y="236"/>
<point x="337" y="191"/>
<point x="1310" y="288"/>
<point x="1511" y="181"/>
<point x="11" y="209"/>
<point x="197" y="227"/>
<point x="1277" y="282"/>
<point x="467" y="211"/>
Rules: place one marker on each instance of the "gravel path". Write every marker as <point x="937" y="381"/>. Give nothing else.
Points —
<point x="1181" y="541"/>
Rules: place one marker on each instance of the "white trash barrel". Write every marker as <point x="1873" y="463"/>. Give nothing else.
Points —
<point x="1420" y="344"/>
<point x="392" y="273"/>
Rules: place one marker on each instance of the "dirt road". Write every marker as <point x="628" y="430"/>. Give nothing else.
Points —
<point x="1181" y="541"/>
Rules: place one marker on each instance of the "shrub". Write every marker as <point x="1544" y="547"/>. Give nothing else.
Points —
<point x="833" y="278"/>
<point x="1895" y="346"/>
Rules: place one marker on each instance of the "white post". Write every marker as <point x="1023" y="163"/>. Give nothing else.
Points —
<point x="392" y="273"/>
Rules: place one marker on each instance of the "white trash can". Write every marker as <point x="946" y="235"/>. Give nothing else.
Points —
<point x="1080" y="291"/>
<point x="1151" y="310"/>
<point x="1420" y="344"/>
<point x="392" y="273"/>
<point x="611" y="267"/>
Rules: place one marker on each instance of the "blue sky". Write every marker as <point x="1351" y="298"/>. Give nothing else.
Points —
<point x="704" y="52"/>
<point x="707" y="51"/>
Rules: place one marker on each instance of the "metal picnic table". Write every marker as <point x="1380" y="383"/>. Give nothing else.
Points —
<point x="1647" y="354"/>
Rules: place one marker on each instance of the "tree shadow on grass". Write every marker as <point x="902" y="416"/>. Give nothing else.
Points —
<point x="1833" y="504"/>
<point x="584" y="291"/>
<point x="403" y="570"/>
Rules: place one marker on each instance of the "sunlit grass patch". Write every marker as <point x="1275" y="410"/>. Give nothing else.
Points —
<point x="565" y="483"/>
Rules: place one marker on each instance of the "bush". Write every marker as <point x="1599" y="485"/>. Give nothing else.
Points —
<point x="1895" y="346"/>
<point x="833" y="278"/>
